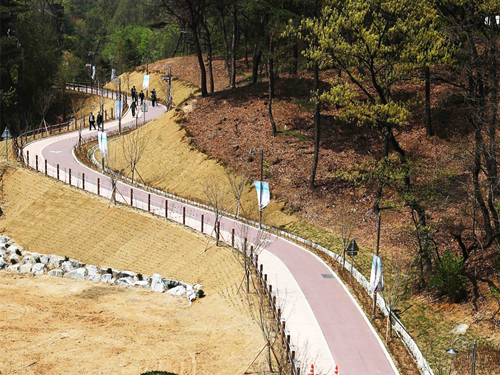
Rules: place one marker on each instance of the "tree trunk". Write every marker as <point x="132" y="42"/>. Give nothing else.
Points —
<point x="209" y="56"/>
<point x="317" y="128"/>
<point x="295" y="62"/>
<point x="234" y="46"/>
<point x="199" y="53"/>
<point x="271" y="86"/>
<point x="255" y="64"/>
<point x="428" y="123"/>
<point x="226" y="48"/>
<point x="246" y="43"/>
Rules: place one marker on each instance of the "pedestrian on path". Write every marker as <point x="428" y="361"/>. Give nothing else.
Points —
<point x="100" y="122"/>
<point x="91" y="121"/>
<point x="141" y="96"/>
<point x="134" y="94"/>
<point x="133" y="106"/>
<point x="153" y="97"/>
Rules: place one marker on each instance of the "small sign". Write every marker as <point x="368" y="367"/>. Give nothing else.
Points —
<point x="88" y="66"/>
<point x="352" y="249"/>
<point x="6" y="134"/>
<point x="165" y="78"/>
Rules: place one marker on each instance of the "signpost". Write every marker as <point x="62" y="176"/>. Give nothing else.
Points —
<point x="6" y="135"/>
<point x="144" y="108"/>
<point x="351" y="251"/>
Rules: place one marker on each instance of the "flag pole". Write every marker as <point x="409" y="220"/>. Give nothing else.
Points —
<point x="378" y="247"/>
<point x="261" y="187"/>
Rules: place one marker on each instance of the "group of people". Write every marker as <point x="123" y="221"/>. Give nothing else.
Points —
<point x="136" y="97"/>
<point x="92" y="121"/>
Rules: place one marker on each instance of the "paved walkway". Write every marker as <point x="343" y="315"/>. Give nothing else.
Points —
<point x="321" y="314"/>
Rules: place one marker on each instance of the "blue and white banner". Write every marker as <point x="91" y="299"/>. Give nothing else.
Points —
<point x="266" y="197"/>
<point x="102" y="138"/>
<point x="118" y="109"/>
<point x="113" y="74"/>
<point x="145" y="83"/>
<point x="376" y="277"/>
<point x="93" y="72"/>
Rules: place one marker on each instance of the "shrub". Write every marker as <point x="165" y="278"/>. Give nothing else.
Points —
<point x="449" y="277"/>
<point x="18" y="252"/>
<point x="200" y="293"/>
<point x="139" y="276"/>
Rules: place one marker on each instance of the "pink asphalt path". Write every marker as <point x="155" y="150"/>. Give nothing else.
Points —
<point x="353" y="343"/>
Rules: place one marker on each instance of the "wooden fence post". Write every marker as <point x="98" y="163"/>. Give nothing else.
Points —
<point x="36" y="162"/>
<point x="131" y="197"/>
<point x="232" y="237"/>
<point x="184" y="215"/>
<point x="45" y="167"/>
<point x="83" y="181"/>
<point x="98" y="186"/>
<point x="149" y="202"/>
<point x="28" y="158"/>
<point x="202" y="219"/>
<point x="70" y="177"/>
<point x="166" y="208"/>
<point x="58" y="171"/>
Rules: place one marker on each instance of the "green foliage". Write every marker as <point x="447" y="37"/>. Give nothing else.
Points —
<point x="449" y="277"/>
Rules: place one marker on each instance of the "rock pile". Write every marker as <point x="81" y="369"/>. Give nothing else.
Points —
<point x="15" y="259"/>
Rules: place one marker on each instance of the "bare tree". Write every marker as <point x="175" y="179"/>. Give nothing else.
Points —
<point x="42" y="102"/>
<point x="77" y="108"/>
<point x="346" y="223"/>
<point x="237" y="183"/>
<point x="216" y="197"/>
<point x="133" y="146"/>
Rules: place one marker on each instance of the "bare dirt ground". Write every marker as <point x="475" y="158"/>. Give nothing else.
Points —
<point x="131" y="327"/>
<point x="61" y="326"/>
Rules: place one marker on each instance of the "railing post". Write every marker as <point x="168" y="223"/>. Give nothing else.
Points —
<point x="232" y="237"/>
<point x="83" y="181"/>
<point x="217" y="230"/>
<point x="111" y="112"/>
<point x="98" y="186"/>
<point x="265" y="278"/>
<point x="184" y="215"/>
<point x="36" y="162"/>
<point x="70" y="177"/>
<point x="149" y="202"/>
<point x="166" y="208"/>
<point x="131" y="197"/>
<point x="28" y="158"/>
<point x="45" y="167"/>
<point x="58" y="171"/>
<point x="202" y="219"/>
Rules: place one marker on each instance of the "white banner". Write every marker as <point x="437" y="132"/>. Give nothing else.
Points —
<point x="102" y="138"/>
<point x="145" y="83"/>
<point x="93" y="72"/>
<point x="113" y="72"/>
<point x="376" y="277"/>
<point x="118" y="109"/>
<point x="266" y="197"/>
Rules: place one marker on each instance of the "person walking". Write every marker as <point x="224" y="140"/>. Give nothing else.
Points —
<point x="153" y="97"/>
<point x="100" y="122"/>
<point x="141" y="96"/>
<point x="134" y="94"/>
<point x="133" y="107"/>
<point x="91" y="121"/>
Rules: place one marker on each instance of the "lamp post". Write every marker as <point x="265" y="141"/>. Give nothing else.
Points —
<point x="6" y="135"/>
<point x="465" y="342"/>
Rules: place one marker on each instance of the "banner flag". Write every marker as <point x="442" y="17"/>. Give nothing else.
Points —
<point x="99" y="140"/>
<point x="113" y="74"/>
<point x="104" y="142"/>
<point x="266" y="198"/>
<point x="93" y="72"/>
<point x="376" y="277"/>
<point x="145" y="83"/>
<point x="118" y="109"/>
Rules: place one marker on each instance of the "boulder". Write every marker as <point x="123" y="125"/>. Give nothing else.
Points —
<point x="190" y="293"/>
<point x="45" y="259"/>
<point x="67" y="266"/>
<point x="177" y="291"/>
<point x="38" y="268"/>
<point x="76" y="264"/>
<point x="3" y="264"/>
<point x="142" y="284"/>
<point x="170" y="283"/>
<point x="15" y="267"/>
<point x="24" y="252"/>
<point x="3" y="252"/>
<point x="197" y="287"/>
<point x="57" y="273"/>
<point x="125" y="281"/>
<point x="14" y="259"/>
<point x="126" y="274"/>
<point x="107" y="278"/>
<point x="105" y="271"/>
<point x="4" y="239"/>
<point x="78" y="274"/>
<point x="93" y="269"/>
<point x="157" y="284"/>
<point x="25" y="268"/>
<point x="94" y="276"/>
<point x="12" y="249"/>
<point x="55" y="261"/>
<point x="28" y="259"/>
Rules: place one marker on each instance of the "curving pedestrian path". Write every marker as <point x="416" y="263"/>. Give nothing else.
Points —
<point x="326" y="325"/>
